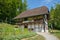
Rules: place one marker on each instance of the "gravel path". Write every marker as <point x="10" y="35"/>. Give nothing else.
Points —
<point x="48" y="36"/>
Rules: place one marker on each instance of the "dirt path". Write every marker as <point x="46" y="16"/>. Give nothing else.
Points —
<point x="48" y="36"/>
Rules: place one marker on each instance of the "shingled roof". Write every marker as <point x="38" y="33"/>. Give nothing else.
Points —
<point x="33" y="12"/>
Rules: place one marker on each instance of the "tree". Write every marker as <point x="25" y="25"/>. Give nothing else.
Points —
<point x="25" y="5"/>
<point x="55" y="17"/>
<point x="10" y="8"/>
<point x="51" y="21"/>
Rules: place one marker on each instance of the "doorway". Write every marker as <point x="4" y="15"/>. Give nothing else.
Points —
<point x="26" y="26"/>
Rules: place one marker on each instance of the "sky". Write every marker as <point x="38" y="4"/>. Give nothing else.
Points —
<point x="38" y="3"/>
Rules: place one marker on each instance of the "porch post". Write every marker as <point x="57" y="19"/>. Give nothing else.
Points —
<point x="45" y="23"/>
<point x="32" y="26"/>
<point x="22" y="27"/>
<point x="42" y="28"/>
<point x="29" y="26"/>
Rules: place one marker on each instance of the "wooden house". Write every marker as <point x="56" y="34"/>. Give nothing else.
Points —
<point x="34" y="19"/>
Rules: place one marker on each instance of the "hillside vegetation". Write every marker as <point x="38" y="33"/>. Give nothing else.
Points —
<point x="9" y="32"/>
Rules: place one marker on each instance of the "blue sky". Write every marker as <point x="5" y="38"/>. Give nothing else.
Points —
<point x="38" y="3"/>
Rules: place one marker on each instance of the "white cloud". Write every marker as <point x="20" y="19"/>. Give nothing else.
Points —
<point x="47" y="1"/>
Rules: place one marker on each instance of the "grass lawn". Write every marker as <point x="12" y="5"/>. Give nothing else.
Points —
<point x="56" y="33"/>
<point x="39" y="37"/>
<point x="9" y="32"/>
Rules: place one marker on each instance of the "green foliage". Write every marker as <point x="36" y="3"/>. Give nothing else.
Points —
<point x="9" y="32"/>
<point x="55" y="17"/>
<point x="56" y="33"/>
<point x="10" y="9"/>
<point x="51" y="16"/>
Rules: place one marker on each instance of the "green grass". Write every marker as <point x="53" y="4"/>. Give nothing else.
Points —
<point x="8" y="32"/>
<point x="39" y="37"/>
<point x="56" y="33"/>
